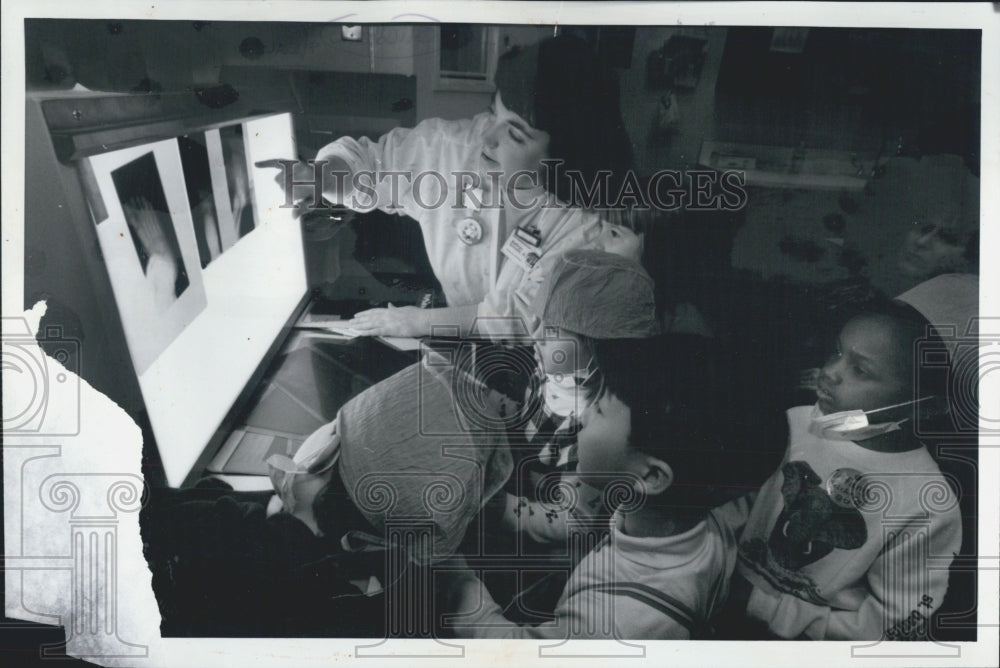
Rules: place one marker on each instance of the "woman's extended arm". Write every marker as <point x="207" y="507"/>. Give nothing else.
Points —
<point x="332" y="174"/>
<point x="413" y="321"/>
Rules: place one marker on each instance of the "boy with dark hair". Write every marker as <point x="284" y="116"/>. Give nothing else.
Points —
<point x="590" y="296"/>
<point x="653" y="440"/>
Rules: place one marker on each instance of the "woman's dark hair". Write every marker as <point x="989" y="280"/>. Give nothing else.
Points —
<point x="576" y="101"/>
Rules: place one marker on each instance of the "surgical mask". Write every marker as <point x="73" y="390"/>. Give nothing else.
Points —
<point x="563" y="393"/>
<point x="853" y="425"/>
<point x="314" y="458"/>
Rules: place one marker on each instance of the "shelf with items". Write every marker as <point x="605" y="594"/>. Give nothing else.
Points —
<point x="789" y="167"/>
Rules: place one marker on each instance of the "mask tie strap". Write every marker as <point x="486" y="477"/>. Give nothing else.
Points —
<point x="590" y="372"/>
<point x="911" y="401"/>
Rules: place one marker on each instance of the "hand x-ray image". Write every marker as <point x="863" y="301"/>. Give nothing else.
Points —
<point x="151" y="228"/>
<point x="238" y="179"/>
<point x="201" y="196"/>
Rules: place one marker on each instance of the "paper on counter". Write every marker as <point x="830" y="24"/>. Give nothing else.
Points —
<point x="331" y="325"/>
<point x="339" y="329"/>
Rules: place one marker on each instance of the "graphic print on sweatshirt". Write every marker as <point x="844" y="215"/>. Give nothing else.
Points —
<point x="811" y="525"/>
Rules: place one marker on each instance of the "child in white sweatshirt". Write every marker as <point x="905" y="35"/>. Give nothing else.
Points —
<point x="852" y="537"/>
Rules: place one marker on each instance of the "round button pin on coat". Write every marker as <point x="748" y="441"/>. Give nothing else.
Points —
<point x="470" y="231"/>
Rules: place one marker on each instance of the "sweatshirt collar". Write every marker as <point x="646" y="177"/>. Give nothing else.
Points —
<point x="660" y="551"/>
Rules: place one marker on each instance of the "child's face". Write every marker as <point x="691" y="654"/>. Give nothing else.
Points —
<point x="603" y="440"/>
<point x="620" y="240"/>
<point x="867" y="370"/>
<point x="511" y="145"/>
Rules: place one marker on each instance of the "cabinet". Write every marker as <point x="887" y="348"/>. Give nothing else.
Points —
<point x="383" y="49"/>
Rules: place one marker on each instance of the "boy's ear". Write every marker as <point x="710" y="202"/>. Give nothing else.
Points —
<point x="656" y="476"/>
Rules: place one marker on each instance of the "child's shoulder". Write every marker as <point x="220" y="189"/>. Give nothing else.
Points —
<point x="696" y="548"/>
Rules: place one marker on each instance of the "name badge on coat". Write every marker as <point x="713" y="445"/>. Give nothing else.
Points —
<point x="523" y="247"/>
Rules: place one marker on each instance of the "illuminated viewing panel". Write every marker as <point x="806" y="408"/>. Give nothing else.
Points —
<point x="202" y="278"/>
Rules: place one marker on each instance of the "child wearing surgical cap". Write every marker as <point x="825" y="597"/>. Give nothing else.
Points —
<point x="405" y="457"/>
<point x="401" y="461"/>
<point x="407" y="450"/>
<point x="590" y="296"/>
